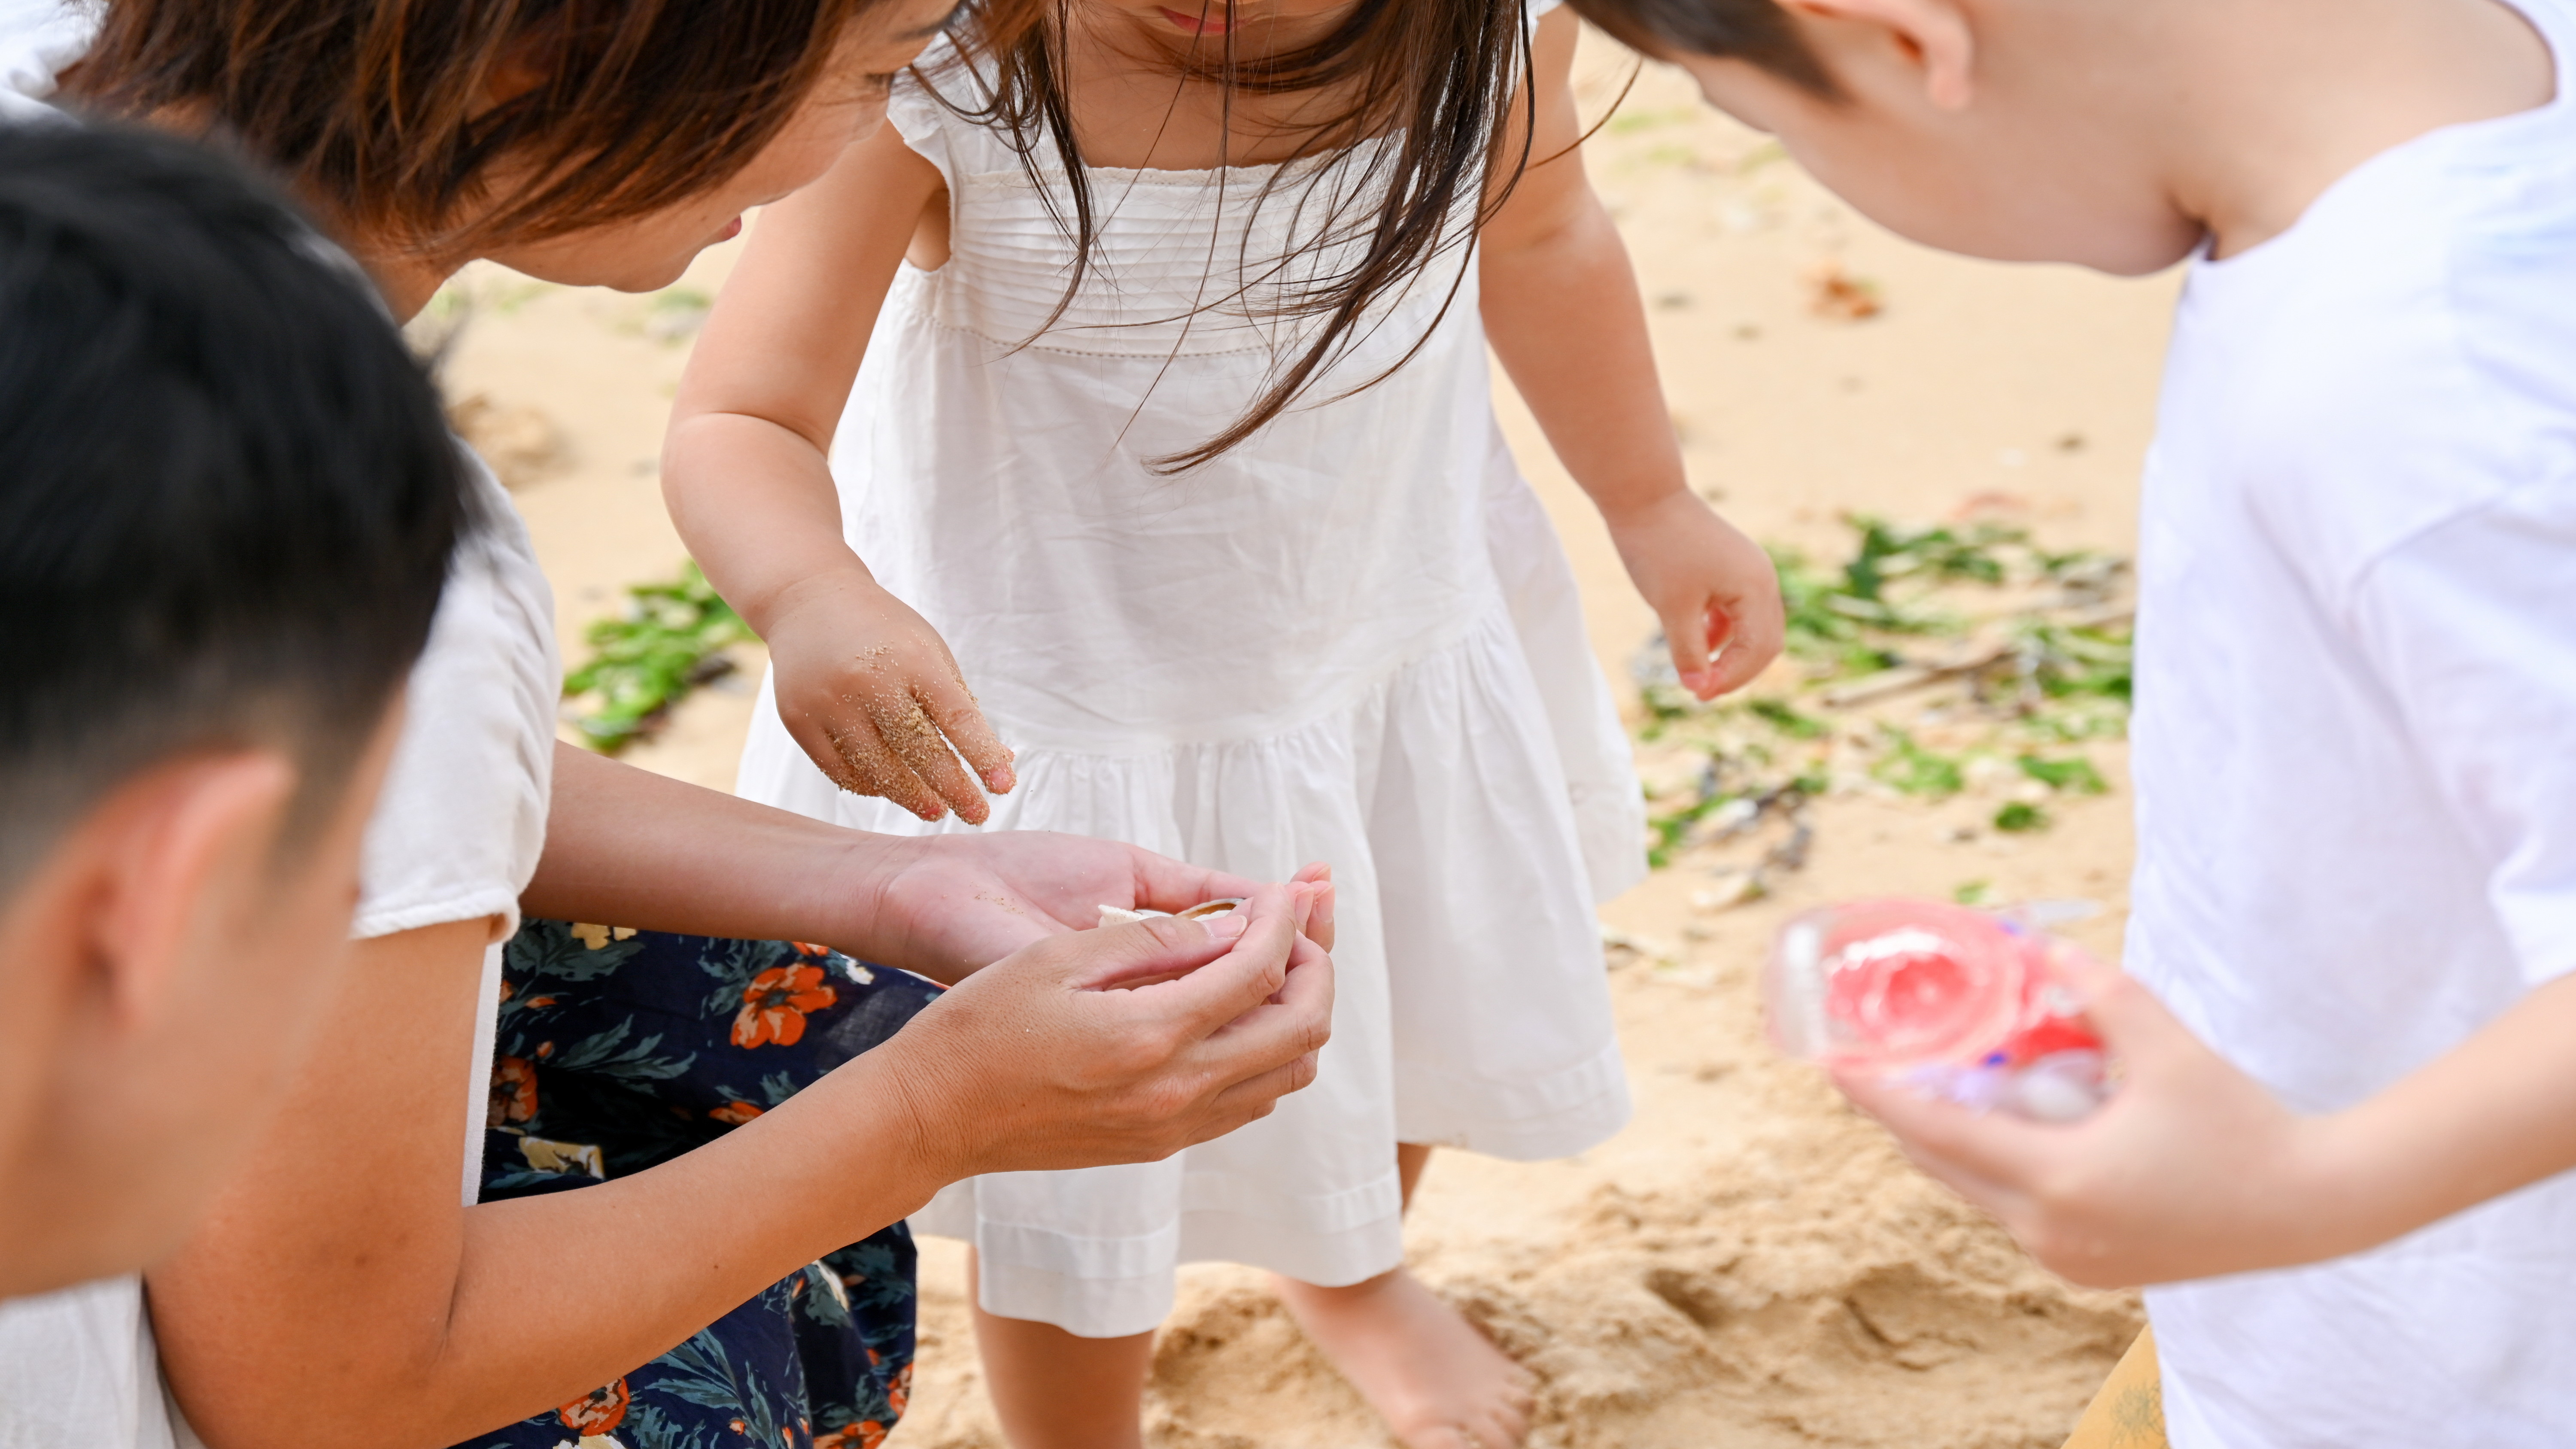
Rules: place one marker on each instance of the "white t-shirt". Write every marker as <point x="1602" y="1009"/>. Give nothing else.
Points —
<point x="2356" y="752"/>
<point x="455" y="837"/>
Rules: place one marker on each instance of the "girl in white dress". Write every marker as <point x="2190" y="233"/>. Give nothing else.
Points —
<point x="1171" y="418"/>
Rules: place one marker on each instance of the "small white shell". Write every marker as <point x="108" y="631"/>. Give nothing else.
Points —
<point x="1120" y="915"/>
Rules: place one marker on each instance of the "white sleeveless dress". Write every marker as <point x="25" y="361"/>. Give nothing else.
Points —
<point x="1355" y="638"/>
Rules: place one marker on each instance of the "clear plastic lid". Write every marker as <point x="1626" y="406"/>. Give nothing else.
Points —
<point x="1896" y="984"/>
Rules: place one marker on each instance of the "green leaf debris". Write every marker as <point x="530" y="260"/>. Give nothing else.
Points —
<point x="1930" y="661"/>
<point x="672" y="639"/>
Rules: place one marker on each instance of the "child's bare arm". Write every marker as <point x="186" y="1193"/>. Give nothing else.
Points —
<point x="864" y="684"/>
<point x="1561" y="307"/>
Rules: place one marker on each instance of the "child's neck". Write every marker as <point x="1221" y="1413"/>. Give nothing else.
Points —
<point x="1137" y="106"/>
<point x="2265" y="104"/>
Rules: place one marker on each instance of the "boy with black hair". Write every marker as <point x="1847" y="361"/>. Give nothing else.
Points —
<point x="227" y="500"/>
<point x="2356" y="673"/>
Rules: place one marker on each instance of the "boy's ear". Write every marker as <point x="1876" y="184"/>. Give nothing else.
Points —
<point x="1933" y="34"/>
<point x="176" y="848"/>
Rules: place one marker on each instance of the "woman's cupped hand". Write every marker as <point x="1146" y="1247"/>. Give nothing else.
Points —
<point x="1122" y="1044"/>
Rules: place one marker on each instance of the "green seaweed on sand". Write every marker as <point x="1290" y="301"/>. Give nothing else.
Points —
<point x="1671" y="830"/>
<point x="1784" y="717"/>
<point x="2073" y="774"/>
<point x="671" y="639"/>
<point x="1914" y="770"/>
<point x="2020" y="817"/>
<point x="2008" y="657"/>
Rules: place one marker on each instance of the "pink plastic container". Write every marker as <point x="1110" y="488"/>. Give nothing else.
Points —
<point x="1959" y="1003"/>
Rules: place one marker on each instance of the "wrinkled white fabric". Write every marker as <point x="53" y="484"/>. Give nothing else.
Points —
<point x="462" y="817"/>
<point x="1355" y="638"/>
<point x="78" y="1367"/>
<point x="39" y="40"/>
<point x="2356" y="752"/>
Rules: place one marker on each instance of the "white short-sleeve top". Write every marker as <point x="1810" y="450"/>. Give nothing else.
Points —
<point x="2356" y="751"/>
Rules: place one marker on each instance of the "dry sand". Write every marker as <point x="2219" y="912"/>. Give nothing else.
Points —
<point x="1748" y="1264"/>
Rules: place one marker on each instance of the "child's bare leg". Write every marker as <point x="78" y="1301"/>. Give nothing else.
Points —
<point x="1438" y="1382"/>
<point x="1053" y="1390"/>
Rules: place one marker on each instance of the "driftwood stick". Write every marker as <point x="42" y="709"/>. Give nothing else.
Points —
<point x="1908" y="677"/>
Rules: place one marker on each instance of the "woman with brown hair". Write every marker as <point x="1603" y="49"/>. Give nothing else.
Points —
<point x="344" y="1290"/>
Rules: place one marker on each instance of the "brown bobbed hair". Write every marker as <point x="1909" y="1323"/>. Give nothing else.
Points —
<point x="1758" y="32"/>
<point x="376" y="111"/>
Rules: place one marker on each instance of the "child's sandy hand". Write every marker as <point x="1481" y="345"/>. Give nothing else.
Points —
<point x="872" y="693"/>
<point x="1714" y="588"/>
<point x="2192" y="1169"/>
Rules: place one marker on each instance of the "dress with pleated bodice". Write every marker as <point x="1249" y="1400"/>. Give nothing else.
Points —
<point x="1355" y="638"/>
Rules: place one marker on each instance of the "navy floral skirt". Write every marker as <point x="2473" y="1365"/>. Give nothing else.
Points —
<point x="621" y="1049"/>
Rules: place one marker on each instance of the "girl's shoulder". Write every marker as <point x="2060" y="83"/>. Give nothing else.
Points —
<point x="939" y="106"/>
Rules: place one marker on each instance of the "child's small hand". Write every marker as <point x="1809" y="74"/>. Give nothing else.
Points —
<point x="2191" y="1170"/>
<point x="1715" y="590"/>
<point x="872" y="693"/>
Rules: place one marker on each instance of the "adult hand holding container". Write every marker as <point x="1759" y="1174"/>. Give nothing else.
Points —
<point x="1957" y="1003"/>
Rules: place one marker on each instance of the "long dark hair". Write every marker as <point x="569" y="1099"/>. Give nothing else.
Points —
<point x="1434" y="78"/>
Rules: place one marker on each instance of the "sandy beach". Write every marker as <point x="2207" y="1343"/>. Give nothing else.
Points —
<point x="1749" y="1264"/>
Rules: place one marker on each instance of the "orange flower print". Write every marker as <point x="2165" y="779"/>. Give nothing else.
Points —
<point x="899" y="1393"/>
<point x="866" y="1435"/>
<point x="775" y="1003"/>
<point x="737" y="1113"/>
<point x="596" y="1412"/>
<point x="514" y="1092"/>
<point x="808" y="948"/>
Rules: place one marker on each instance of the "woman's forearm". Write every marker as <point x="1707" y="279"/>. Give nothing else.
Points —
<point x="628" y="847"/>
<point x="548" y="1289"/>
<point x="625" y="847"/>
<point x="342" y="1297"/>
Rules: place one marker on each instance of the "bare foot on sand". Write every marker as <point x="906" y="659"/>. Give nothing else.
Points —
<point x="1436" y="1380"/>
